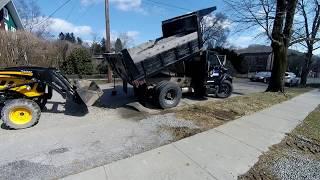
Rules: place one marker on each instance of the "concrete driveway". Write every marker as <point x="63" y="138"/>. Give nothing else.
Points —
<point x="70" y="140"/>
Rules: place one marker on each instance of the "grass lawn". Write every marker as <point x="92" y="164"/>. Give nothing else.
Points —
<point x="296" y="157"/>
<point x="215" y="113"/>
<point x="310" y="128"/>
<point x="212" y="114"/>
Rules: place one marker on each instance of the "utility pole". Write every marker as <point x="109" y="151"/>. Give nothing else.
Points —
<point x="108" y="39"/>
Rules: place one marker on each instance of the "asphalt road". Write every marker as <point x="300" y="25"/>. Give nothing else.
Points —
<point x="69" y="139"/>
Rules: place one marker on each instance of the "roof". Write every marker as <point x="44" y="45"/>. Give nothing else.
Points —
<point x="13" y="11"/>
<point x="255" y="49"/>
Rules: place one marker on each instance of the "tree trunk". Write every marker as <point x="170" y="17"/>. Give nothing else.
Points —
<point x="279" y="68"/>
<point x="281" y="35"/>
<point x="279" y="49"/>
<point x="307" y="66"/>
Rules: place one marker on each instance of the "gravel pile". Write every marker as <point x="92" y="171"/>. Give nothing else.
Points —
<point x="158" y="122"/>
<point x="297" y="166"/>
<point x="169" y="120"/>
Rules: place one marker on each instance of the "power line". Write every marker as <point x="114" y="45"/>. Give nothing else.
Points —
<point x="83" y="14"/>
<point x="54" y="12"/>
<point x="169" y="5"/>
<point x="72" y="9"/>
<point x="150" y="4"/>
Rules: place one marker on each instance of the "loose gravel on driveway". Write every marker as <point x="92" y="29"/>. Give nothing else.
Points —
<point x="58" y="151"/>
<point x="67" y="141"/>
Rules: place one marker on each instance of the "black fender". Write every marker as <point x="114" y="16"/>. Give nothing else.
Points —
<point x="226" y="77"/>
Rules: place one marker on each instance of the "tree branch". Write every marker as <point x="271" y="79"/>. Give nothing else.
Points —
<point x="303" y="39"/>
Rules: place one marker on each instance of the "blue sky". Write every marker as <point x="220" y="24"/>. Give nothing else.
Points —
<point x="140" y="19"/>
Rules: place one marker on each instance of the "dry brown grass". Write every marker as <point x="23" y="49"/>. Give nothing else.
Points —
<point x="23" y="48"/>
<point x="180" y="132"/>
<point x="310" y="128"/>
<point x="212" y="114"/>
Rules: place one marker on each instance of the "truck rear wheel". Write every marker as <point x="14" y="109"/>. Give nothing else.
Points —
<point x="169" y="95"/>
<point x="20" y="113"/>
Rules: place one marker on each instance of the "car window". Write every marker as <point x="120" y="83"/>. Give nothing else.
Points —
<point x="213" y="60"/>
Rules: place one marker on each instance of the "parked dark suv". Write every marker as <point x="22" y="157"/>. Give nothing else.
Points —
<point x="261" y="77"/>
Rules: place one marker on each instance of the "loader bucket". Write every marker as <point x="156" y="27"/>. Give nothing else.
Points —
<point x="88" y="91"/>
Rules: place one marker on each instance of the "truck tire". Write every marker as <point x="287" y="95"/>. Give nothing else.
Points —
<point x="169" y="95"/>
<point x="20" y="113"/>
<point x="225" y="89"/>
<point x="156" y="91"/>
<point x="160" y="85"/>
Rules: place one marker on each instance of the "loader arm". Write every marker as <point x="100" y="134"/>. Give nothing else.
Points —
<point x="55" y="80"/>
<point x="24" y="92"/>
<point x="49" y="76"/>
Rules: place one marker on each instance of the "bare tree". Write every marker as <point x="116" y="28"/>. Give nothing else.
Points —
<point x="215" y="29"/>
<point x="306" y="33"/>
<point x="126" y="40"/>
<point x="256" y="15"/>
<point x="32" y="18"/>
<point x="275" y="18"/>
<point x="24" y="48"/>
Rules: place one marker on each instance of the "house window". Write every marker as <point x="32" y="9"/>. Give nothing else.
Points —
<point x="5" y="14"/>
<point x="6" y="26"/>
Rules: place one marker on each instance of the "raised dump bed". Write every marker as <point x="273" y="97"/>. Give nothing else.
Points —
<point x="182" y="39"/>
<point x="151" y="58"/>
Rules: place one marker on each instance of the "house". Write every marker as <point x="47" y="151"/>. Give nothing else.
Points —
<point x="9" y="17"/>
<point x="256" y="58"/>
<point x="315" y="68"/>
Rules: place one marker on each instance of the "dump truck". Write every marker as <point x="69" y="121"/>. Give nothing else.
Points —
<point x="178" y="62"/>
<point x="24" y="92"/>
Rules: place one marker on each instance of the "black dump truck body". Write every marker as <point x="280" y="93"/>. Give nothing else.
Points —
<point x="177" y="62"/>
<point x="182" y="39"/>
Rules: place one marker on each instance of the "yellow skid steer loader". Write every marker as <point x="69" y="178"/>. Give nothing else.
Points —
<point x="24" y="92"/>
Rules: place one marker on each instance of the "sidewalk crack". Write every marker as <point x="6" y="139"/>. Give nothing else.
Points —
<point x="195" y="162"/>
<point x="105" y="172"/>
<point x="261" y="151"/>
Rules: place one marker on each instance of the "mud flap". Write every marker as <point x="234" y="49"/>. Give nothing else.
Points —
<point x="125" y="86"/>
<point x="88" y="91"/>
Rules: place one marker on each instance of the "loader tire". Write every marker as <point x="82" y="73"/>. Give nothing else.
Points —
<point x="169" y="95"/>
<point x="20" y="113"/>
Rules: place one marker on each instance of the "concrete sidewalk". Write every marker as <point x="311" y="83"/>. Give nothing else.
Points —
<point x="221" y="153"/>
